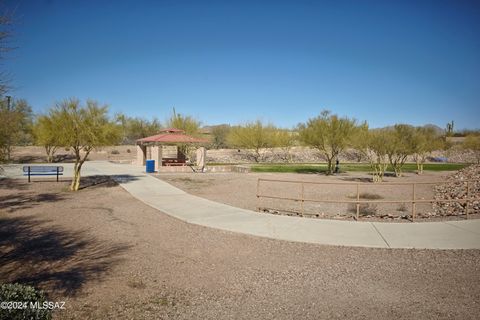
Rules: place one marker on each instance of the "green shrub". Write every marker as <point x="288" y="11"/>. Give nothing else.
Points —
<point x="25" y="294"/>
<point x="115" y="152"/>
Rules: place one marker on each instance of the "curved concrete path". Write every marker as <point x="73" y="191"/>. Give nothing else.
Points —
<point x="177" y="203"/>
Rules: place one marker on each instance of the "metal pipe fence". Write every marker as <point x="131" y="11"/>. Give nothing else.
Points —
<point x="468" y="200"/>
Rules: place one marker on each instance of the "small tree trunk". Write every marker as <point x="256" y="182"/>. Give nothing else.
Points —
<point x="77" y="168"/>
<point x="76" y="172"/>
<point x="48" y="151"/>
<point x="396" y="167"/>
<point x="52" y="152"/>
<point x="76" y="179"/>
<point x="398" y="172"/>
<point x="256" y="156"/>
<point x="9" y="152"/>
<point x="376" y="174"/>
<point x="383" y="167"/>
<point x="329" y="165"/>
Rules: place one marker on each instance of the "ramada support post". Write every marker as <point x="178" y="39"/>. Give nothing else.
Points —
<point x="201" y="156"/>
<point x="141" y="154"/>
<point x="157" y="154"/>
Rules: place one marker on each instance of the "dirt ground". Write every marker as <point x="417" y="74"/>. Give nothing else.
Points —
<point x="240" y="189"/>
<point x="111" y="257"/>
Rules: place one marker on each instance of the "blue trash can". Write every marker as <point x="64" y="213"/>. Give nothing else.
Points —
<point x="150" y="166"/>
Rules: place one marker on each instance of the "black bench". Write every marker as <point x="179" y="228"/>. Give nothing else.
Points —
<point x="42" y="171"/>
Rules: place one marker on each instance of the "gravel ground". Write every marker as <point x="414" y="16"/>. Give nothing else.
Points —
<point x="112" y="257"/>
<point x="239" y="190"/>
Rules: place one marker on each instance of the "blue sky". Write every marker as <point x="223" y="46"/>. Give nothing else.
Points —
<point x="233" y="61"/>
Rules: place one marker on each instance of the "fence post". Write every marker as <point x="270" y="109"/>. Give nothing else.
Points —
<point x="303" y="197"/>
<point x="413" y="202"/>
<point x="467" y="203"/>
<point x="358" y="202"/>
<point x="258" y="195"/>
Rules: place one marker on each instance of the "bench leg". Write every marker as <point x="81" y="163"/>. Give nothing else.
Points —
<point x="29" y="174"/>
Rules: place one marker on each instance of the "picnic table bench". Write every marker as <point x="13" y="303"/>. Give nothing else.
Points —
<point x="42" y="171"/>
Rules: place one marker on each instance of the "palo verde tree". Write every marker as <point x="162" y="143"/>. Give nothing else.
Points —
<point x="400" y="146"/>
<point x="472" y="142"/>
<point x="330" y="134"/>
<point x="15" y="125"/>
<point x="45" y="131"/>
<point x="377" y="144"/>
<point x="219" y="136"/>
<point x="424" y="141"/>
<point x="285" y="140"/>
<point x="188" y="124"/>
<point x="255" y="136"/>
<point x="82" y="129"/>
<point x="136" y="128"/>
<point x="371" y="144"/>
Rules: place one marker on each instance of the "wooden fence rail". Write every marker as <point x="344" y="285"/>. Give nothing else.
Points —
<point x="468" y="200"/>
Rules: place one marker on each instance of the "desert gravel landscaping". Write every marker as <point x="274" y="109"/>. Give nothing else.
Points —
<point x="110" y="257"/>
<point x="239" y="190"/>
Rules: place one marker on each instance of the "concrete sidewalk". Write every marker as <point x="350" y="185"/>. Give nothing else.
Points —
<point x="196" y="210"/>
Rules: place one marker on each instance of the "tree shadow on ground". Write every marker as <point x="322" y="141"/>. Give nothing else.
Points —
<point x="124" y="178"/>
<point x="51" y="258"/>
<point x="13" y="184"/>
<point x="97" y="181"/>
<point x="13" y="202"/>
<point x="105" y="181"/>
